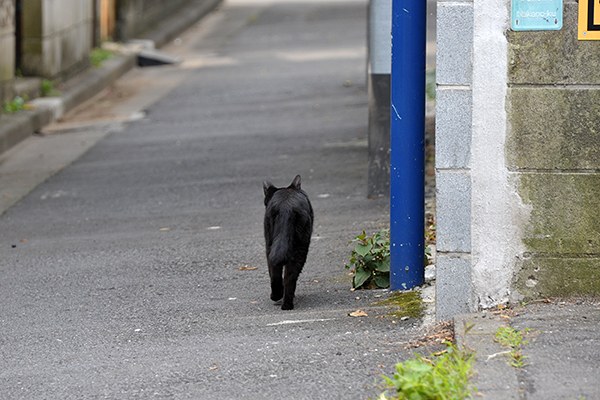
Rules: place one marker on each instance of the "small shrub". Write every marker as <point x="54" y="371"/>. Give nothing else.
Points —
<point x="48" y="89"/>
<point x="15" y="105"/>
<point x="370" y="260"/>
<point x="98" y="56"/>
<point x="441" y="376"/>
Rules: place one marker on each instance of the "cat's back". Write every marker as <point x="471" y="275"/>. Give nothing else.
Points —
<point x="289" y="202"/>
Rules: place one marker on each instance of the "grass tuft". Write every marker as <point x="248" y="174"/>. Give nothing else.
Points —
<point x="98" y="56"/>
<point x="48" y="89"/>
<point x="512" y="338"/>
<point x="442" y="376"/>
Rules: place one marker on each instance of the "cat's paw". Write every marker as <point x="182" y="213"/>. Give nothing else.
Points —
<point x="276" y="296"/>
<point x="287" y="306"/>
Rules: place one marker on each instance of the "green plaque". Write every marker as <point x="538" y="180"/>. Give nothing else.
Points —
<point x="536" y="15"/>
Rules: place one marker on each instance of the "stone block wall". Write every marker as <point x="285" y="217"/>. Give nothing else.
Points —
<point x="453" y="157"/>
<point x="135" y="17"/>
<point x="7" y="49"/>
<point x="517" y="159"/>
<point x="57" y="37"/>
<point x="553" y="147"/>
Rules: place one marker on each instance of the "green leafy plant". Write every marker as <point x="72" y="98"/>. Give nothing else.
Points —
<point x="512" y="338"/>
<point x="370" y="260"/>
<point x="98" y="56"/>
<point x="441" y="376"/>
<point x="48" y="89"/>
<point x="15" y="105"/>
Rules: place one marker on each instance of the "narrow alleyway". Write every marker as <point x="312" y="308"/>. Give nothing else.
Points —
<point x="139" y="270"/>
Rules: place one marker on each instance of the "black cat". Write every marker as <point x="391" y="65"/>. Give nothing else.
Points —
<point x="288" y="227"/>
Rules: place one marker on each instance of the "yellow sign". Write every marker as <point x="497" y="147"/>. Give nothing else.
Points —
<point x="589" y="20"/>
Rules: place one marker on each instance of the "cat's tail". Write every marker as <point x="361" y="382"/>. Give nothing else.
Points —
<point x="282" y="238"/>
<point x="279" y="251"/>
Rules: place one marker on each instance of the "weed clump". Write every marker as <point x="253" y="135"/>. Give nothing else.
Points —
<point x="441" y="376"/>
<point x="370" y="260"/>
<point x="512" y="338"/>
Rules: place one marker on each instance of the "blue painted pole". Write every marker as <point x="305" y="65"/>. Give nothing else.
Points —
<point x="407" y="157"/>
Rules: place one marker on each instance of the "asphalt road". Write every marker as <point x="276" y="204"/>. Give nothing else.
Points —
<point x="138" y="271"/>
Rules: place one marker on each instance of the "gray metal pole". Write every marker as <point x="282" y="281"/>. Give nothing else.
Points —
<point x="378" y="82"/>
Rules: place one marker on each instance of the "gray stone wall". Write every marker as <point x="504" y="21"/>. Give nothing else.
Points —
<point x="517" y="159"/>
<point x="7" y="49"/>
<point x="57" y="37"/>
<point x="554" y="148"/>
<point x="453" y="157"/>
<point x="135" y="17"/>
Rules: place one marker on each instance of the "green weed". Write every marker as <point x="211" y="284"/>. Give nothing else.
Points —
<point x="15" y="105"/>
<point x="441" y="376"/>
<point x="98" y="56"/>
<point x="48" y="89"/>
<point x="370" y="260"/>
<point x="512" y="338"/>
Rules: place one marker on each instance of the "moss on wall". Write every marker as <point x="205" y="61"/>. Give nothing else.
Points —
<point x="553" y="149"/>
<point x="541" y="277"/>
<point x="554" y="128"/>
<point x="565" y="215"/>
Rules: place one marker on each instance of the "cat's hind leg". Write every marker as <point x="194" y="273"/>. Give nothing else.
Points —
<point x="291" y="273"/>
<point x="276" y="274"/>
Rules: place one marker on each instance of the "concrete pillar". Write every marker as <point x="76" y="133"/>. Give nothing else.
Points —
<point x="57" y="37"/>
<point x="496" y="221"/>
<point x="378" y="83"/>
<point x="7" y="49"/>
<point x="454" y="286"/>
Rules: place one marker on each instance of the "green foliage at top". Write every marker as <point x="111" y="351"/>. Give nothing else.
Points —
<point x="370" y="260"/>
<point x="444" y="376"/>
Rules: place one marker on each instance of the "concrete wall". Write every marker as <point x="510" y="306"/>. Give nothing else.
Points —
<point x="517" y="159"/>
<point x="57" y="37"/>
<point x="136" y="17"/>
<point x="553" y="147"/>
<point x="7" y="49"/>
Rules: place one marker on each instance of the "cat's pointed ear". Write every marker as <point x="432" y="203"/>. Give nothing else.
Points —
<point x="296" y="182"/>
<point x="269" y="190"/>
<point x="267" y="187"/>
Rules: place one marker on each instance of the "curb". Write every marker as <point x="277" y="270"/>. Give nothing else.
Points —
<point x="493" y="377"/>
<point x="17" y="127"/>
